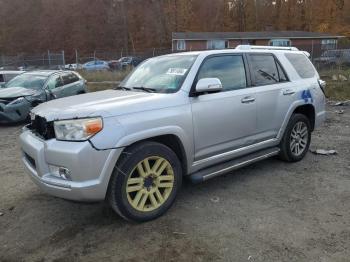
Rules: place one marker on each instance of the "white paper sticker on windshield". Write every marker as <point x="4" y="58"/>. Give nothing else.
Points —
<point x="177" y="71"/>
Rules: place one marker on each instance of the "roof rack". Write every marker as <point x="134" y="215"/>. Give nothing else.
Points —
<point x="261" y="47"/>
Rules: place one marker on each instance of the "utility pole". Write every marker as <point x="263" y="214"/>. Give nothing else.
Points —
<point x="125" y="24"/>
<point x="256" y="15"/>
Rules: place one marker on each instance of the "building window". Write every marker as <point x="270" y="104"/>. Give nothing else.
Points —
<point x="181" y="45"/>
<point x="217" y="44"/>
<point x="327" y="44"/>
<point x="280" y="42"/>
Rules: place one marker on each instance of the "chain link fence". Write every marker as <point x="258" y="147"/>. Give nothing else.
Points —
<point x="48" y="60"/>
<point x="325" y="58"/>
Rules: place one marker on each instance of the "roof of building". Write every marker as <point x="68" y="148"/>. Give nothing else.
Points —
<point x="251" y="35"/>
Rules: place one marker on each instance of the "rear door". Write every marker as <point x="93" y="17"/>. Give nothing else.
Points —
<point x="225" y="120"/>
<point x="274" y="93"/>
<point x="72" y="84"/>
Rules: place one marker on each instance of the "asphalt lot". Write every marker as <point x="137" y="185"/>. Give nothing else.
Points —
<point x="271" y="211"/>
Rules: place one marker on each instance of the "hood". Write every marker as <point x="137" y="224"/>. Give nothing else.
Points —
<point x="104" y="103"/>
<point x="14" y="92"/>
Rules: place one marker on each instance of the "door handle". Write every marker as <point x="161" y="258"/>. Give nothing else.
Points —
<point x="247" y="99"/>
<point x="288" y="92"/>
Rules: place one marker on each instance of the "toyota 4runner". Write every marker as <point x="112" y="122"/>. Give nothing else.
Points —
<point x="197" y="115"/>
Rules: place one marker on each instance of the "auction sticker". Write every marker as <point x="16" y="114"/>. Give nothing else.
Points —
<point x="176" y="71"/>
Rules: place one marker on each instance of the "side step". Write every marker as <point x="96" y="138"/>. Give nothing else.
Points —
<point x="222" y="168"/>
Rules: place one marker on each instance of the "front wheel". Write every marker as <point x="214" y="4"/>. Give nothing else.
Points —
<point x="145" y="182"/>
<point x="296" y="140"/>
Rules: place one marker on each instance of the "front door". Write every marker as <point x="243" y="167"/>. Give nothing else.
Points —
<point x="54" y="87"/>
<point x="226" y="120"/>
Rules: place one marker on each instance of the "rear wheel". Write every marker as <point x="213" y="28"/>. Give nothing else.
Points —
<point x="296" y="140"/>
<point x="145" y="182"/>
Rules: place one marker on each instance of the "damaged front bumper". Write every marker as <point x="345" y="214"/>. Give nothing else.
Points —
<point x="89" y="169"/>
<point x="14" y="113"/>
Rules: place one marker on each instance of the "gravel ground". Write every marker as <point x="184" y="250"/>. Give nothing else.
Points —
<point x="271" y="211"/>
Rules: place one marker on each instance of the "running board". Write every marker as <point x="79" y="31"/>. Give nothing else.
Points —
<point x="222" y="168"/>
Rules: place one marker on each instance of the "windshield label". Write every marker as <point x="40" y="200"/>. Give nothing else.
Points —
<point x="177" y="71"/>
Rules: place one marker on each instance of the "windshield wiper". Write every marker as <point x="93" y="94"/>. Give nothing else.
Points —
<point x="122" y="88"/>
<point x="146" y="89"/>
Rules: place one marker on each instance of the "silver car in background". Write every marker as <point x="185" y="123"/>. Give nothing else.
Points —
<point x="30" y="89"/>
<point x="6" y="76"/>
<point x="195" y="114"/>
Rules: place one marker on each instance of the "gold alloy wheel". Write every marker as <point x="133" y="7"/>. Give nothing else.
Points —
<point x="150" y="183"/>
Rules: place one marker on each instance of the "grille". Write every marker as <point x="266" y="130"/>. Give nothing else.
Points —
<point x="42" y="128"/>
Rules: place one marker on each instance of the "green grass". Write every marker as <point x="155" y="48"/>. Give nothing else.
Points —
<point x="102" y="80"/>
<point x="100" y="76"/>
<point x="337" y="89"/>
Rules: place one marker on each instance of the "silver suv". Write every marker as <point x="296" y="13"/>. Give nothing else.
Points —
<point x="195" y="114"/>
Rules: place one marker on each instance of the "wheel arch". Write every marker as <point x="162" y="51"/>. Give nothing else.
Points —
<point x="309" y="111"/>
<point x="173" y="142"/>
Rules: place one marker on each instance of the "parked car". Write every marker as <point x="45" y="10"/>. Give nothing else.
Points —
<point x="73" y="66"/>
<point x="114" y="65"/>
<point x="129" y="61"/>
<point x="28" y="90"/>
<point x="195" y="114"/>
<point x="333" y="58"/>
<point x="6" y="76"/>
<point x="96" y="65"/>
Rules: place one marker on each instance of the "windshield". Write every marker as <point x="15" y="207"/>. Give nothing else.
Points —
<point x="27" y="81"/>
<point x="163" y="74"/>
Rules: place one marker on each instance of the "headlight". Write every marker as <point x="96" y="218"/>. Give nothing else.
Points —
<point x="17" y="101"/>
<point x="77" y="129"/>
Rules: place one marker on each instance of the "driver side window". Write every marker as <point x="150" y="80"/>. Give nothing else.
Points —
<point x="229" y="69"/>
<point x="54" y="82"/>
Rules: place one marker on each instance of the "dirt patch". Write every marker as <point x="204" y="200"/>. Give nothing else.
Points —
<point x="270" y="211"/>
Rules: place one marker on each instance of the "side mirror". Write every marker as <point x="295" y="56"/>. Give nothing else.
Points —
<point x="208" y="85"/>
<point x="50" y="95"/>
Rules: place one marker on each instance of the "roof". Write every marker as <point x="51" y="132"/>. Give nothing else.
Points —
<point x="11" y="72"/>
<point x="250" y="35"/>
<point x="43" y="72"/>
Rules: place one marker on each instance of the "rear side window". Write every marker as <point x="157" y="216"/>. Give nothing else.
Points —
<point x="229" y="69"/>
<point x="264" y="69"/>
<point x="302" y="65"/>
<point x="69" y="78"/>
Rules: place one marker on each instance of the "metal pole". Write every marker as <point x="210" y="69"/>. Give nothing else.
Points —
<point x="63" y="58"/>
<point x="76" y="56"/>
<point x="49" y="57"/>
<point x="95" y="55"/>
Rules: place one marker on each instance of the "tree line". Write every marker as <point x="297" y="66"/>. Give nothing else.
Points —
<point x="37" y="25"/>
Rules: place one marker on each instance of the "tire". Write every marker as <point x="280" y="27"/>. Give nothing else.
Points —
<point x="297" y="135"/>
<point x="150" y="194"/>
